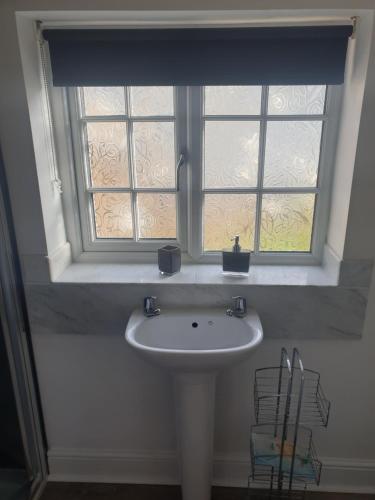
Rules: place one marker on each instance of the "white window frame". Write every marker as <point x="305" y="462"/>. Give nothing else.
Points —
<point x="189" y="136"/>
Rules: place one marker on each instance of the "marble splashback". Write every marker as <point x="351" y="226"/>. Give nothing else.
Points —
<point x="356" y="272"/>
<point x="295" y="312"/>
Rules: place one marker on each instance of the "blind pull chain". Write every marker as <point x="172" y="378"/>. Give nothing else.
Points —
<point x="50" y="135"/>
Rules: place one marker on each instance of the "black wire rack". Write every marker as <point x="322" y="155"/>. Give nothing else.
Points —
<point x="288" y="401"/>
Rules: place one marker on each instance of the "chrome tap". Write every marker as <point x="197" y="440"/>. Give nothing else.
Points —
<point x="149" y="307"/>
<point x="239" y="307"/>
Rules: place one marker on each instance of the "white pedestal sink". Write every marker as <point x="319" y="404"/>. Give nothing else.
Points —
<point x="194" y="344"/>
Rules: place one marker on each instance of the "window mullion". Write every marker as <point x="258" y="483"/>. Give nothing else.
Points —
<point x="180" y="120"/>
<point x="196" y="196"/>
<point x="264" y="190"/>
<point x="86" y="169"/>
<point x="262" y="148"/>
<point x="84" y="141"/>
<point x="130" y="190"/>
<point x="274" y="118"/>
<point x="131" y="168"/>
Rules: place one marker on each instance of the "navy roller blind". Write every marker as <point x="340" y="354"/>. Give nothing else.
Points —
<point x="197" y="56"/>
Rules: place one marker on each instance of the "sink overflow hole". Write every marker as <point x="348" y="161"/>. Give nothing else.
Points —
<point x="194" y="325"/>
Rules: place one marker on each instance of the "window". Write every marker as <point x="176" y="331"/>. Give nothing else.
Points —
<point x="261" y="164"/>
<point x="127" y="159"/>
<point x="255" y="165"/>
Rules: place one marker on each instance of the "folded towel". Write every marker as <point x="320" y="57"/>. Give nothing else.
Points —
<point x="267" y="452"/>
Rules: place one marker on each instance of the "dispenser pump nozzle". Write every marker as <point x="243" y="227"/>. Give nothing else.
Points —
<point x="236" y="246"/>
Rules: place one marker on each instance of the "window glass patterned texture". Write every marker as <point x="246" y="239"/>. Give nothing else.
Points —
<point x="129" y="144"/>
<point x="261" y="157"/>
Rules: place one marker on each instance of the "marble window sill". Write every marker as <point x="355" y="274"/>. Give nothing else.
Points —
<point x="199" y="274"/>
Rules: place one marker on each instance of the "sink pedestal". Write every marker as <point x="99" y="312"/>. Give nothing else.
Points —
<point x="195" y="404"/>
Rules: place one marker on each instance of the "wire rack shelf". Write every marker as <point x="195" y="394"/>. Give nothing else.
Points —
<point x="288" y="401"/>
<point x="271" y="397"/>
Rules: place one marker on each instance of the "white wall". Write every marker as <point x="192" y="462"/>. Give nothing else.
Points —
<point x="102" y="405"/>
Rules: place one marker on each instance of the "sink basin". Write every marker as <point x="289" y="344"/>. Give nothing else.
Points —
<point x="194" y="339"/>
<point x="194" y="344"/>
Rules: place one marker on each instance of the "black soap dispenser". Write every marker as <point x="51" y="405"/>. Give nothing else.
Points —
<point x="236" y="262"/>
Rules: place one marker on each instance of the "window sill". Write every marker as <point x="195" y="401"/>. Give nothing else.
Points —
<point x="199" y="274"/>
<point x="60" y="268"/>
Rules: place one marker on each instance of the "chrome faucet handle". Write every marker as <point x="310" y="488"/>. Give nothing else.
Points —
<point x="239" y="303"/>
<point x="239" y="307"/>
<point x="149" y="306"/>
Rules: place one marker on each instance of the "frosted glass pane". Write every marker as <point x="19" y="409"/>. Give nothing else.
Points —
<point x="296" y="100"/>
<point x="286" y="222"/>
<point x="156" y="215"/>
<point x="154" y="154"/>
<point x="104" y="101"/>
<point x="232" y="100"/>
<point x="226" y="215"/>
<point x="151" y="101"/>
<point x="108" y="154"/>
<point x="231" y="150"/>
<point x="113" y="215"/>
<point x="292" y="153"/>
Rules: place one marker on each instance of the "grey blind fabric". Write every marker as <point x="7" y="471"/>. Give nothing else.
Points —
<point x="210" y="56"/>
